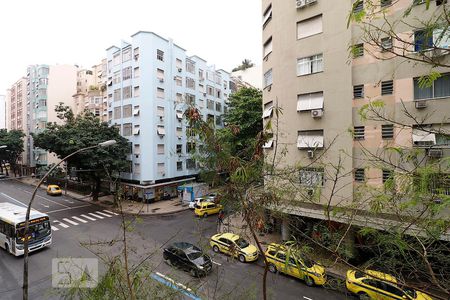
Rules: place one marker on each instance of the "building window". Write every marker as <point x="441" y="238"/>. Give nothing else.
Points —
<point x="267" y="47"/>
<point x="190" y="66"/>
<point x="178" y="81"/>
<point x="268" y="110"/>
<point x="116" y="58"/>
<point x="179" y="149"/>
<point x="387" y="174"/>
<point x="179" y="63"/>
<point x="423" y="40"/>
<point x="160" y="148"/>
<point x="190" y="147"/>
<point x="179" y="114"/>
<point x="387" y="131"/>
<point x="311" y="177"/>
<point x="137" y="72"/>
<point x="160" y="75"/>
<point x="179" y="97"/>
<point x="161" y="169"/>
<point x="439" y="88"/>
<point x="358" y="50"/>
<point x="160" y="55"/>
<point x="210" y="104"/>
<point x="310" y="101"/>
<point x="160" y="111"/>
<point x="358" y="132"/>
<point x="387" y="87"/>
<point x="218" y="106"/>
<point x="360" y="175"/>
<point x="136" y="110"/>
<point x="136" y="91"/>
<point x="210" y="90"/>
<point x="160" y="93"/>
<point x="179" y="132"/>
<point x="137" y="149"/>
<point x="190" y="83"/>
<point x="136" y="130"/>
<point x="386" y="43"/>
<point x="309" y="27"/>
<point x="127" y="111"/>
<point x="116" y="77"/>
<point x="423" y="138"/>
<point x="267" y="16"/>
<point x="385" y="3"/>
<point x="310" y="65"/>
<point x="117" y="112"/>
<point x="160" y="130"/>
<point x="358" y="6"/>
<point x="310" y="139"/>
<point x="218" y="93"/>
<point x="137" y="168"/>
<point x="190" y="164"/>
<point x="219" y="120"/>
<point x="201" y="77"/>
<point x="127" y="127"/>
<point x="358" y="91"/>
<point x="179" y="166"/>
<point x="136" y="53"/>
<point x="268" y="80"/>
<point x="126" y="54"/>
<point x="126" y="92"/>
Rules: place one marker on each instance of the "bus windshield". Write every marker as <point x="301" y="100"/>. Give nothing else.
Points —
<point x="37" y="232"/>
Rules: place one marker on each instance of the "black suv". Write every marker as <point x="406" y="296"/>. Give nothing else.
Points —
<point x="188" y="258"/>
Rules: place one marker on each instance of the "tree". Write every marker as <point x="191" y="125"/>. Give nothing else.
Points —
<point x="83" y="131"/>
<point x="13" y="140"/>
<point x="246" y="64"/>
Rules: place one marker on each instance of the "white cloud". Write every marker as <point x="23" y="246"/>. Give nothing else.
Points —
<point x="79" y="31"/>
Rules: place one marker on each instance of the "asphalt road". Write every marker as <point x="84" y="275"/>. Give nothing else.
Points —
<point x="83" y="230"/>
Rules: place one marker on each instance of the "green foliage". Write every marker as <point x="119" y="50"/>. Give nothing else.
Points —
<point x="246" y="64"/>
<point x="427" y="80"/>
<point x="13" y="140"/>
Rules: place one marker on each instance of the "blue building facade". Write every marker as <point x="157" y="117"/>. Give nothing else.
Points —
<point x="151" y="82"/>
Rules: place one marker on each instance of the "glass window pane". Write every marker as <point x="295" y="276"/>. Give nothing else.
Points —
<point x="442" y="86"/>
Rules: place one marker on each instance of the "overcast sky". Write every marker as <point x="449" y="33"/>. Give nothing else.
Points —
<point x="78" y="31"/>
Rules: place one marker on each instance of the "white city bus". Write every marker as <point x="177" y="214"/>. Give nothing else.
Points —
<point x="12" y="227"/>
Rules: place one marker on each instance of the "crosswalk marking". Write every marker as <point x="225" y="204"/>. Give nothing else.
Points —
<point x="61" y="224"/>
<point x="110" y="212"/>
<point x="103" y="214"/>
<point x="70" y="221"/>
<point x="87" y="217"/>
<point x="79" y="219"/>
<point x="96" y="216"/>
<point x="54" y="228"/>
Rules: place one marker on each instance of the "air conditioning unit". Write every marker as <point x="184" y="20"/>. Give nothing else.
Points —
<point x="301" y="3"/>
<point x="161" y="118"/>
<point x="310" y="154"/>
<point x="317" y="113"/>
<point x="421" y="104"/>
<point x="435" y="153"/>
<point x="180" y="69"/>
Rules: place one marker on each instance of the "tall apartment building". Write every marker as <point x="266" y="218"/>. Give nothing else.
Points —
<point x="47" y="86"/>
<point x="308" y="72"/>
<point x="151" y="81"/>
<point x="2" y="112"/>
<point x="16" y="111"/>
<point x="91" y="91"/>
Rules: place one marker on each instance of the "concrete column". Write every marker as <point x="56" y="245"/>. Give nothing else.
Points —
<point x="285" y="230"/>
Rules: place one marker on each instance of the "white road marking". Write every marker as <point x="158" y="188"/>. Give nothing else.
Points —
<point x="67" y="200"/>
<point x="46" y="206"/>
<point x="174" y="282"/>
<point x="103" y="214"/>
<point x="307" y="298"/>
<point x="96" y="216"/>
<point x="87" y="217"/>
<point x="11" y="198"/>
<point x="46" y="199"/>
<point x="216" y="263"/>
<point x="110" y="212"/>
<point x="54" y="228"/>
<point x="70" y="221"/>
<point x="68" y="208"/>
<point x="61" y="224"/>
<point x="78" y="219"/>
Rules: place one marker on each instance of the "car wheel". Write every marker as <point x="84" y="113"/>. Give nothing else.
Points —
<point x="309" y="281"/>
<point x="216" y="249"/>
<point x="6" y="248"/>
<point x="363" y="296"/>
<point x="193" y="273"/>
<point x="272" y="268"/>
<point x="241" y="258"/>
<point x="205" y="215"/>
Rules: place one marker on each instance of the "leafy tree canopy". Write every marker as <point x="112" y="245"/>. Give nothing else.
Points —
<point x="13" y="140"/>
<point x="246" y="64"/>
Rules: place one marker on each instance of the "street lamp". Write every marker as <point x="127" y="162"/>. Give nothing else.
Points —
<point x="27" y="217"/>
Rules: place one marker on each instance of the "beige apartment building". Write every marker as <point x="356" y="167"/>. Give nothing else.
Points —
<point x="91" y="91"/>
<point x="320" y="86"/>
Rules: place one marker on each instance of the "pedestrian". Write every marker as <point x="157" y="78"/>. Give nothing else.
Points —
<point x="220" y="219"/>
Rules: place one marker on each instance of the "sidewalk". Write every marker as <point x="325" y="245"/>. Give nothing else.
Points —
<point x="162" y="207"/>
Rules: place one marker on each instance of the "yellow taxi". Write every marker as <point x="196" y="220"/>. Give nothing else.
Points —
<point x="54" y="190"/>
<point x="277" y="258"/>
<point x="234" y="245"/>
<point x="204" y="209"/>
<point x="377" y="285"/>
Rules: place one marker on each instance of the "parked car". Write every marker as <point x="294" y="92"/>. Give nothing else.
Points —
<point x="234" y="245"/>
<point x="54" y="190"/>
<point x="207" y="208"/>
<point x="189" y="258"/>
<point x="377" y="285"/>
<point x="277" y="258"/>
<point x="197" y="201"/>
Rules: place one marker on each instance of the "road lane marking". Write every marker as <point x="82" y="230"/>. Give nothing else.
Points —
<point x="11" y="198"/>
<point x="216" y="263"/>
<point x="46" y="206"/>
<point x="110" y="212"/>
<point x="46" y="199"/>
<point x="79" y="219"/>
<point x="307" y="298"/>
<point x="54" y="228"/>
<point x="96" y="216"/>
<point x="61" y="224"/>
<point x="68" y="208"/>
<point x="175" y="285"/>
<point x="87" y="217"/>
<point x="103" y="214"/>
<point x="69" y="221"/>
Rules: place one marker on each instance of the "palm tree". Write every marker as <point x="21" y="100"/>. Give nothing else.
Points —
<point x="246" y="63"/>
